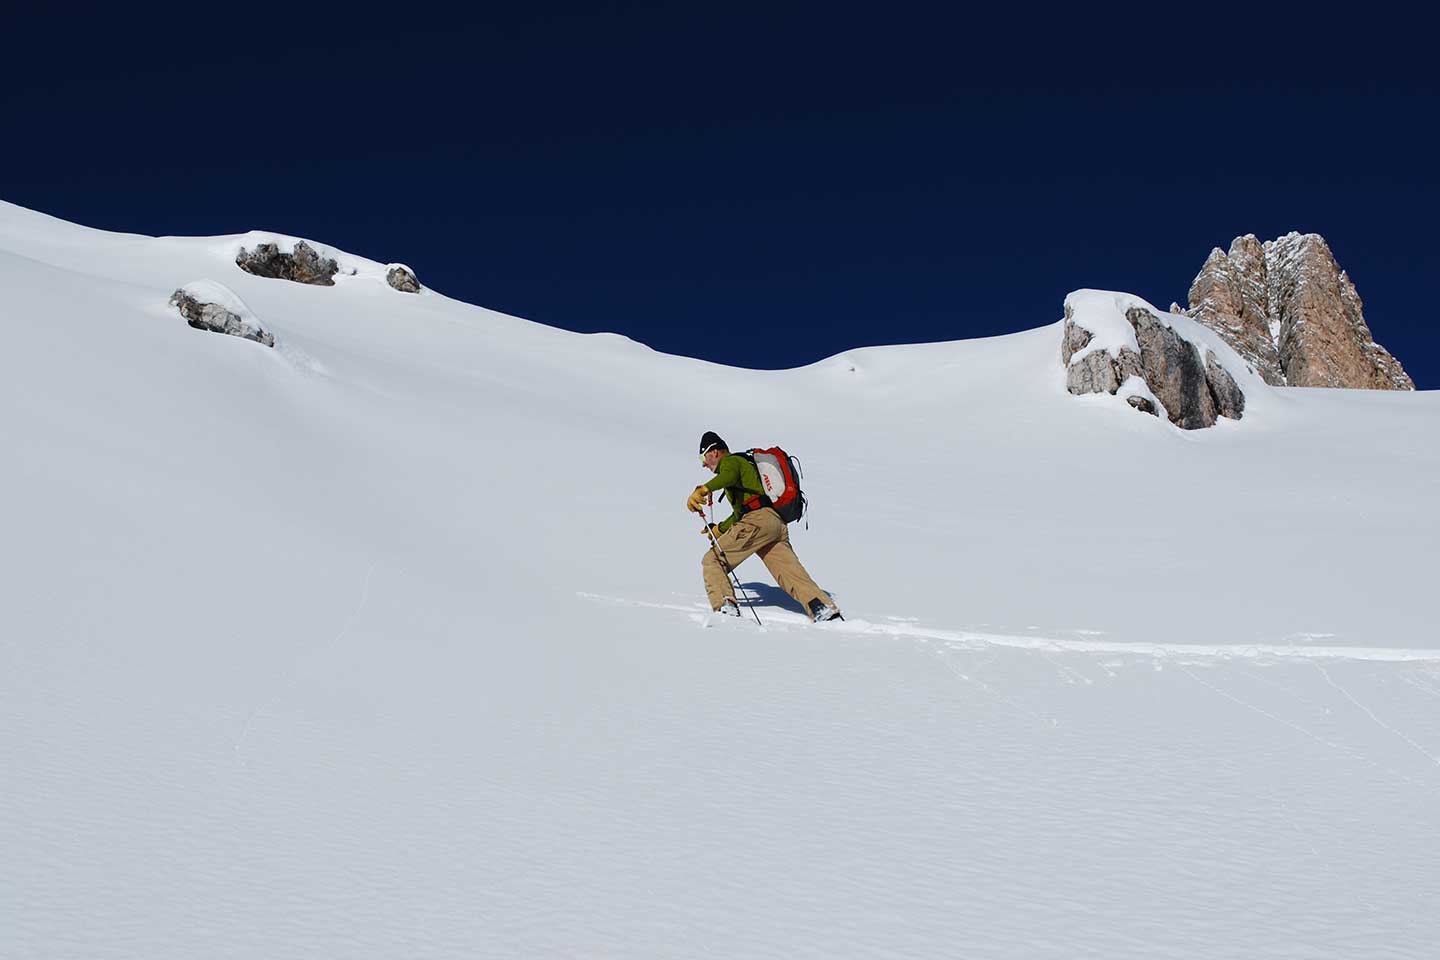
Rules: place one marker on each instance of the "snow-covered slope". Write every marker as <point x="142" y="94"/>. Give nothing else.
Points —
<point x="390" y="642"/>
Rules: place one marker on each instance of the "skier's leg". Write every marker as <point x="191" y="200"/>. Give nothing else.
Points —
<point x="739" y="542"/>
<point x="717" y="585"/>
<point x="779" y="558"/>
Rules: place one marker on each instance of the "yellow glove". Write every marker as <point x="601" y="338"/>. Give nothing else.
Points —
<point x="698" y="499"/>
<point x="711" y="531"/>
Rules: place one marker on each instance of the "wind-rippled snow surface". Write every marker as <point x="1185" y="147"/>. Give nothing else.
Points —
<point x="390" y="642"/>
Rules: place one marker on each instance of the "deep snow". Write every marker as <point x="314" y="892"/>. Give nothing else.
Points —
<point x="391" y="641"/>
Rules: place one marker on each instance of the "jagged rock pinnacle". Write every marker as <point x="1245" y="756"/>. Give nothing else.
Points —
<point x="1293" y="314"/>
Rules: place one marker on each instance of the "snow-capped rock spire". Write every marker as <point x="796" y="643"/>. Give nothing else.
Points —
<point x="1293" y="314"/>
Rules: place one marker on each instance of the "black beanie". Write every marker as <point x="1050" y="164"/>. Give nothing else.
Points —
<point x="711" y="439"/>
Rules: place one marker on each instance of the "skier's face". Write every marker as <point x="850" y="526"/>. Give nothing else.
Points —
<point x="712" y="459"/>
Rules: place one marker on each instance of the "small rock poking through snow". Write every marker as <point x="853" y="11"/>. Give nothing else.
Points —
<point x="207" y="305"/>
<point x="303" y="265"/>
<point x="402" y="278"/>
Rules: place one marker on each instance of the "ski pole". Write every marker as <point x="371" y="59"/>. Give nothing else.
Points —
<point x="725" y="565"/>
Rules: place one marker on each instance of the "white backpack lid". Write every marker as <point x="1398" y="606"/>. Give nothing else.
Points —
<point x="772" y="477"/>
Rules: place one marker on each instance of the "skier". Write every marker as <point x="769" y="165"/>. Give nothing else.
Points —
<point x="753" y="527"/>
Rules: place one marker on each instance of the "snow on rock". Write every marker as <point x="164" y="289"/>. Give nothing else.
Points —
<point x="289" y="258"/>
<point x="1136" y="392"/>
<point x="212" y="306"/>
<point x="402" y="278"/>
<point x="1292" y="313"/>
<point x="302" y="265"/>
<point x="1113" y="342"/>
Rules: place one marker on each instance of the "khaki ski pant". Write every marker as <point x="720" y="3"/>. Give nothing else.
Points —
<point x="764" y="533"/>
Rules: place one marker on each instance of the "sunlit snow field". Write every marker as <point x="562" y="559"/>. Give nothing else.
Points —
<point x="391" y="641"/>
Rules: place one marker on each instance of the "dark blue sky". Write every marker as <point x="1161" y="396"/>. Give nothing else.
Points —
<point x="763" y="185"/>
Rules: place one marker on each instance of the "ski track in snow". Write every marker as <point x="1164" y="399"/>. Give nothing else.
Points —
<point x="1184" y="655"/>
<point x="1346" y="751"/>
<point x="992" y="692"/>
<point x="1046" y="645"/>
<point x="1371" y="714"/>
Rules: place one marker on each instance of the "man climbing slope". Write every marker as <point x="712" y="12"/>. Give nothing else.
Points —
<point x="753" y="527"/>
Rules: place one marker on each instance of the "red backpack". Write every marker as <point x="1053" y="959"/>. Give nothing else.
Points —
<point x="780" y="476"/>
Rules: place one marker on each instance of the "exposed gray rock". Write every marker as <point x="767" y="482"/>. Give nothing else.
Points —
<point x="1096" y="372"/>
<point x="215" y="318"/>
<point x="1075" y="339"/>
<point x="1293" y="314"/>
<point x="303" y="265"/>
<point x="1193" y="390"/>
<point x="402" y="279"/>
<point x="1173" y="370"/>
<point x="1229" y="398"/>
<point x="1092" y="373"/>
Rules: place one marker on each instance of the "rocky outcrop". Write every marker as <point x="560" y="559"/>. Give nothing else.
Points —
<point x="1231" y="297"/>
<point x="1289" y="310"/>
<point x="303" y="265"/>
<point x="1193" y="391"/>
<point x="1096" y="371"/>
<point x="402" y="279"/>
<point x="1229" y="398"/>
<point x="1192" y="388"/>
<point x="217" y="319"/>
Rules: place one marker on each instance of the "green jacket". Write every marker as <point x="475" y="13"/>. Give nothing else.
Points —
<point x="737" y="476"/>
